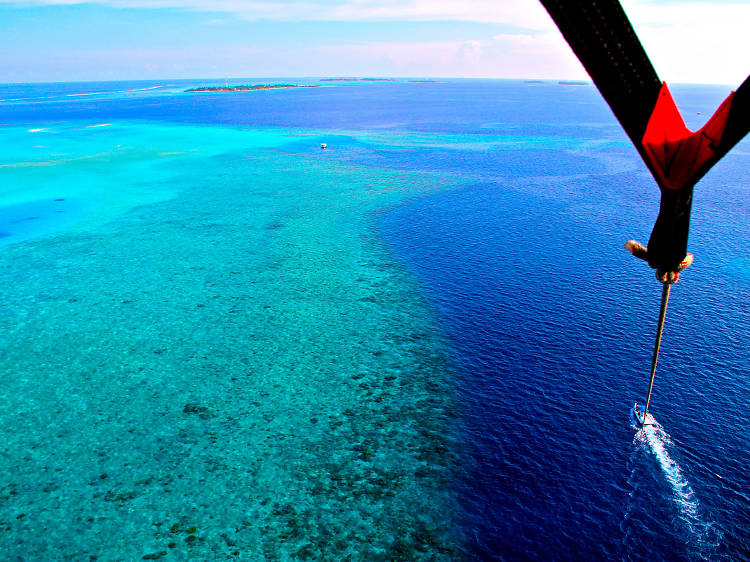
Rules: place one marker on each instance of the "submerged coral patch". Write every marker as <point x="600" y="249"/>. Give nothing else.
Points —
<point x="186" y="382"/>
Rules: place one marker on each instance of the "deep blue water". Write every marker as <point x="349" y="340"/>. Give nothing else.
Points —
<point x="549" y="321"/>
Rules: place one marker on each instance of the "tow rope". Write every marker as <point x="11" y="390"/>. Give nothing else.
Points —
<point x="657" y="344"/>
<point x="603" y="39"/>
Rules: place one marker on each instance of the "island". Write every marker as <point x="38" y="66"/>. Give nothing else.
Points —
<point x="247" y="88"/>
<point x="353" y="79"/>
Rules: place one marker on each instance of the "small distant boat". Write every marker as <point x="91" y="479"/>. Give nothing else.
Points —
<point x="323" y="145"/>
<point x="638" y="414"/>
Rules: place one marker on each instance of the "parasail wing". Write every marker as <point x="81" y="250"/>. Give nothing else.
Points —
<point x="738" y="121"/>
<point x="602" y="38"/>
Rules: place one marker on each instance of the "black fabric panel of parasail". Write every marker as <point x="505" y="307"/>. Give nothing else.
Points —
<point x="602" y="38"/>
<point x="738" y="122"/>
<point x="737" y="126"/>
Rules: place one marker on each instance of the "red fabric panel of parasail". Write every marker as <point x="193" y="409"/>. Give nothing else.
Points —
<point x="676" y="154"/>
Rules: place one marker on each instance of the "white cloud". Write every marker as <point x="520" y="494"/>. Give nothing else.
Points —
<point x="470" y="52"/>
<point x="694" y="41"/>
<point x="687" y="40"/>
<point x="542" y="55"/>
<point x="407" y="58"/>
<point x="535" y="55"/>
<point x="522" y="13"/>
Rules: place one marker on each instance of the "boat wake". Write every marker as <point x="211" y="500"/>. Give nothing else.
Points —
<point x="703" y="536"/>
<point x="658" y="441"/>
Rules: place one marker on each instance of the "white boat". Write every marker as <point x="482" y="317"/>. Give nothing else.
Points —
<point x="638" y="415"/>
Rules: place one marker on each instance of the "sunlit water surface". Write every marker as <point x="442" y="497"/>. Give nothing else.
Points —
<point x="220" y="341"/>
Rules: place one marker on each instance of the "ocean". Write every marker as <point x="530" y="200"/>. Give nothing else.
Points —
<point x="219" y="341"/>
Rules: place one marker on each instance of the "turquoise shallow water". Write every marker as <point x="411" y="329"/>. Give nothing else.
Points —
<point x="215" y="357"/>
<point x="97" y="171"/>
<point x="220" y="341"/>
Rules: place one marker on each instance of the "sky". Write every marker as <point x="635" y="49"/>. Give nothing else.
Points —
<point x="688" y="41"/>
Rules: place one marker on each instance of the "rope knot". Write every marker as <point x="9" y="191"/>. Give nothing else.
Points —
<point x="665" y="277"/>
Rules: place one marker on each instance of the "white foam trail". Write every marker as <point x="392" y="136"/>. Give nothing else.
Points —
<point x="86" y="94"/>
<point x="114" y="91"/>
<point x="654" y="436"/>
<point x="658" y="441"/>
